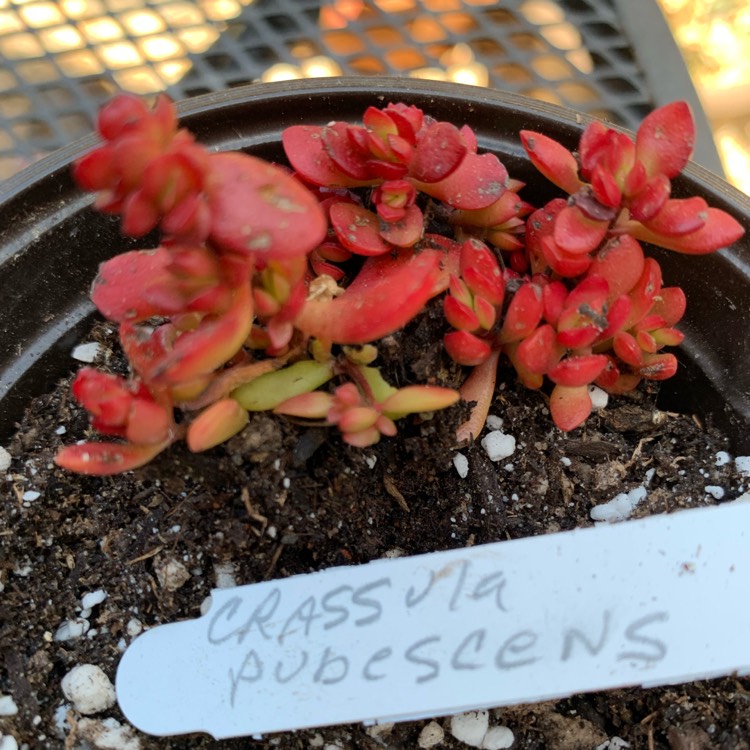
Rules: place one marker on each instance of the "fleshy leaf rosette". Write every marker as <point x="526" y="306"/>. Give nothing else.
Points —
<point x="270" y="289"/>
<point x="621" y="185"/>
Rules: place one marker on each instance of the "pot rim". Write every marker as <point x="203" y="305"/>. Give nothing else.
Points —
<point x="357" y="85"/>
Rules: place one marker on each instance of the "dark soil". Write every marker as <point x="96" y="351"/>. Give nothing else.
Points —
<point x="282" y="499"/>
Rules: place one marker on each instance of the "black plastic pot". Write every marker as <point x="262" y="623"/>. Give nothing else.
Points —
<point x="52" y="241"/>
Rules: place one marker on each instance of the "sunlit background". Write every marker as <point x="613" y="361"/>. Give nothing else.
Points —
<point x="145" y="46"/>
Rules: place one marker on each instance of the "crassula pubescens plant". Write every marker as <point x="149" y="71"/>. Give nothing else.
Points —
<point x="272" y="285"/>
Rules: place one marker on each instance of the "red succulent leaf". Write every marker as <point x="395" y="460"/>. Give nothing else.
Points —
<point x="523" y="314"/>
<point x="460" y="315"/>
<point x="345" y="153"/>
<point x="408" y="120"/>
<point x="146" y="348"/>
<point x="96" y="170"/>
<point x="103" y="459"/>
<point x="121" y="288"/>
<point x="303" y="145"/>
<point x="503" y="210"/>
<point x="541" y="224"/>
<point x="679" y="217"/>
<point x="478" y="182"/>
<point x="385" y="295"/>
<point x="149" y="423"/>
<point x="554" y="295"/>
<point x="646" y="342"/>
<point x="667" y="337"/>
<point x="460" y="290"/>
<point x="439" y="151"/>
<point x="481" y="271"/>
<point x="594" y="141"/>
<point x="627" y="349"/>
<point x="605" y="187"/>
<point x="620" y="261"/>
<point x="213" y="342"/>
<point x="540" y="352"/>
<point x="564" y="264"/>
<point x="139" y="214"/>
<point x="670" y="305"/>
<point x="658" y="367"/>
<point x="665" y="139"/>
<point x="529" y="379"/>
<point x="617" y="316"/>
<point x="647" y="203"/>
<point x="643" y="294"/>
<point x="609" y="375"/>
<point x="591" y="292"/>
<point x="216" y="424"/>
<point x="259" y="208"/>
<point x="486" y="312"/>
<point x="576" y="234"/>
<point x="358" y="229"/>
<point x="393" y="198"/>
<point x="719" y="231"/>
<point x="569" y="406"/>
<point x="578" y="337"/>
<point x="577" y="371"/>
<point x="479" y="387"/>
<point x="406" y="231"/>
<point x="636" y="180"/>
<point x="553" y="160"/>
<point x="466" y="348"/>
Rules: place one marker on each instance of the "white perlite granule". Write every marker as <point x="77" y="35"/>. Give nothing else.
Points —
<point x="5" y="459"/>
<point x="86" y="352"/>
<point x="8" y="706"/>
<point x="715" y="491"/>
<point x="599" y="398"/>
<point x="472" y="728"/>
<point x="743" y="465"/>
<point x="619" y="507"/>
<point x="89" y="689"/>
<point x="462" y="465"/>
<point x="498" y="445"/>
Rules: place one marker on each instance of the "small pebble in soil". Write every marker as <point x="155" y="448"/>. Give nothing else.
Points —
<point x="8" y="706"/>
<point x="5" y="459"/>
<point x="432" y="734"/>
<point x="89" y="689"/>
<point x="498" y="445"/>
<point x="171" y="573"/>
<point x="462" y="465"/>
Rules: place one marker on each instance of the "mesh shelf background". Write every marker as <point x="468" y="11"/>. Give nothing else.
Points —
<point x="60" y="61"/>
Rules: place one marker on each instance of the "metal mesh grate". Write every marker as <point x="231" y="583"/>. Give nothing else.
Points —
<point x="59" y="61"/>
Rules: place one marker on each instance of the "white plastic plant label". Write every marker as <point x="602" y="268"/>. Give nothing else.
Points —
<point x="656" y="601"/>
